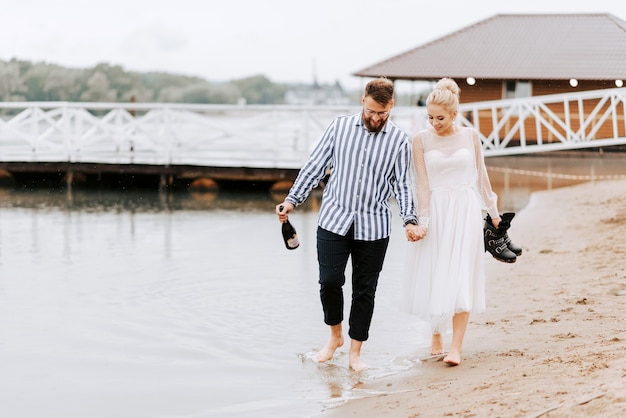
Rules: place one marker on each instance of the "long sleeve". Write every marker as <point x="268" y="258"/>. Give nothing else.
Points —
<point x="423" y="185"/>
<point x="403" y="184"/>
<point x="483" y="184"/>
<point x="315" y="168"/>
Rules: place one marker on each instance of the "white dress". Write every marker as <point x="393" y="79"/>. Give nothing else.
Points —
<point x="445" y="270"/>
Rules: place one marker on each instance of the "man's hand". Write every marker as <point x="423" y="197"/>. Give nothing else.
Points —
<point x="415" y="232"/>
<point x="282" y="214"/>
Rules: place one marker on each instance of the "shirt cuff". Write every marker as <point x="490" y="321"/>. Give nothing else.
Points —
<point x="411" y="221"/>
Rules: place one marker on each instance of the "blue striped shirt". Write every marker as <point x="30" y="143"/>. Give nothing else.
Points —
<point x="366" y="170"/>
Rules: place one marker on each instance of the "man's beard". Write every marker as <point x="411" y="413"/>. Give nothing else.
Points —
<point x="369" y="124"/>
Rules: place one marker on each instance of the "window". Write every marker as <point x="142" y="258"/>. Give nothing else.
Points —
<point x="514" y="89"/>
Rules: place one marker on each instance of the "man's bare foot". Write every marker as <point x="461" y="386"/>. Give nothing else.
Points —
<point x="329" y="349"/>
<point x="453" y="359"/>
<point x="436" y="346"/>
<point x="356" y="363"/>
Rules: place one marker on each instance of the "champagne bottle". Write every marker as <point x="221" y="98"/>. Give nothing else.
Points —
<point x="289" y="234"/>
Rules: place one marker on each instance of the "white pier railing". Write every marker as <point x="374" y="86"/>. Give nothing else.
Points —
<point x="587" y="119"/>
<point x="164" y="134"/>
<point x="282" y="136"/>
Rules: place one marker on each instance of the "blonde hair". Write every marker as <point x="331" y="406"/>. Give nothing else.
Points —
<point x="446" y="94"/>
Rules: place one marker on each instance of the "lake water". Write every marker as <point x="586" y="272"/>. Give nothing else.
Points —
<point x="140" y="304"/>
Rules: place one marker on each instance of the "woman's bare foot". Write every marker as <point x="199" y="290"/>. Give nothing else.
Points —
<point x="329" y="349"/>
<point x="452" y="359"/>
<point x="436" y="347"/>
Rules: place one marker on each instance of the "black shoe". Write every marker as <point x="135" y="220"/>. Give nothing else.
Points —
<point x="505" y="224"/>
<point x="496" y="243"/>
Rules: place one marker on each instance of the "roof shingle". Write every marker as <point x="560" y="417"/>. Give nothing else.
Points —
<point x="518" y="46"/>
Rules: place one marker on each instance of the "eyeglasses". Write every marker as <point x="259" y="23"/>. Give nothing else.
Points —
<point x="371" y="113"/>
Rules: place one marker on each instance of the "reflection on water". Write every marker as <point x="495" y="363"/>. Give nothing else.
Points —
<point x="143" y="304"/>
<point x="149" y="200"/>
<point x="514" y="179"/>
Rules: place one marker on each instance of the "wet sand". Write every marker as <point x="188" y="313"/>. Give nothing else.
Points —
<point x="552" y="342"/>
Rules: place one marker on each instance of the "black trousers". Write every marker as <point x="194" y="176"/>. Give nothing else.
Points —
<point x="333" y="252"/>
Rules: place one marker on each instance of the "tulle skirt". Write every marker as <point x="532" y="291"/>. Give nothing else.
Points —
<point x="445" y="272"/>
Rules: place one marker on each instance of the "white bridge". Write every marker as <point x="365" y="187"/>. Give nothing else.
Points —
<point x="279" y="137"/>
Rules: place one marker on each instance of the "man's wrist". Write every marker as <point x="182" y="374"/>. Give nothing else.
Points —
<point x="410" y="222"/>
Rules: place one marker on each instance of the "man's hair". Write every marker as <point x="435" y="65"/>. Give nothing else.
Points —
<point x="380" y="90"/>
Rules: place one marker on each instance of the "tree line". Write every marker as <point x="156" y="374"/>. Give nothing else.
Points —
<point x="27" y="81"/>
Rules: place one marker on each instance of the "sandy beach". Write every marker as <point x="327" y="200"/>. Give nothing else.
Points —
<point x="552" y="341"/>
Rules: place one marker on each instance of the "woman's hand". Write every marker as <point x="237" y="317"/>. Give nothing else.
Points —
<point x="415" y="232"/>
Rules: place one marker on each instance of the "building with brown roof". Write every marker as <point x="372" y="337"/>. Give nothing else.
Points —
<point x="519" y="55"/>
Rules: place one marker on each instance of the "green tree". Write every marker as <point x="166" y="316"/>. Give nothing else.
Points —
<point x="98" y="89"/>
<point x="52" y="83"/>
<point x="260" y="90"/>
<point x="12" y="87"/>
<point x="26" y="81"/>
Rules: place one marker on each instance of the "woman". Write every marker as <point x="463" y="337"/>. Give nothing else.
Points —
<point x="445" y="267"/>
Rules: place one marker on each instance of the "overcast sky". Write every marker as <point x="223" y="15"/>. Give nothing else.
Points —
<point x="285" y="40"/>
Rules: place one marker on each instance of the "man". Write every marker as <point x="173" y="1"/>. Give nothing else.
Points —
<point x="369" y="159"/>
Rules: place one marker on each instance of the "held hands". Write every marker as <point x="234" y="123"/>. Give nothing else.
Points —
<point x="415" y="232"/>
<point x="282" y="215"/>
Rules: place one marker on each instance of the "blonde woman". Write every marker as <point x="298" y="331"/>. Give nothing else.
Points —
<point x="445" y="279"/>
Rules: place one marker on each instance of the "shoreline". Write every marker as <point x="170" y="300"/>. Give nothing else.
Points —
<point x="551" y="343"/>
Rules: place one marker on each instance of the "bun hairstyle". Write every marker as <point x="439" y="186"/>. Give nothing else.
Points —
<point x="446" y="94"/>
